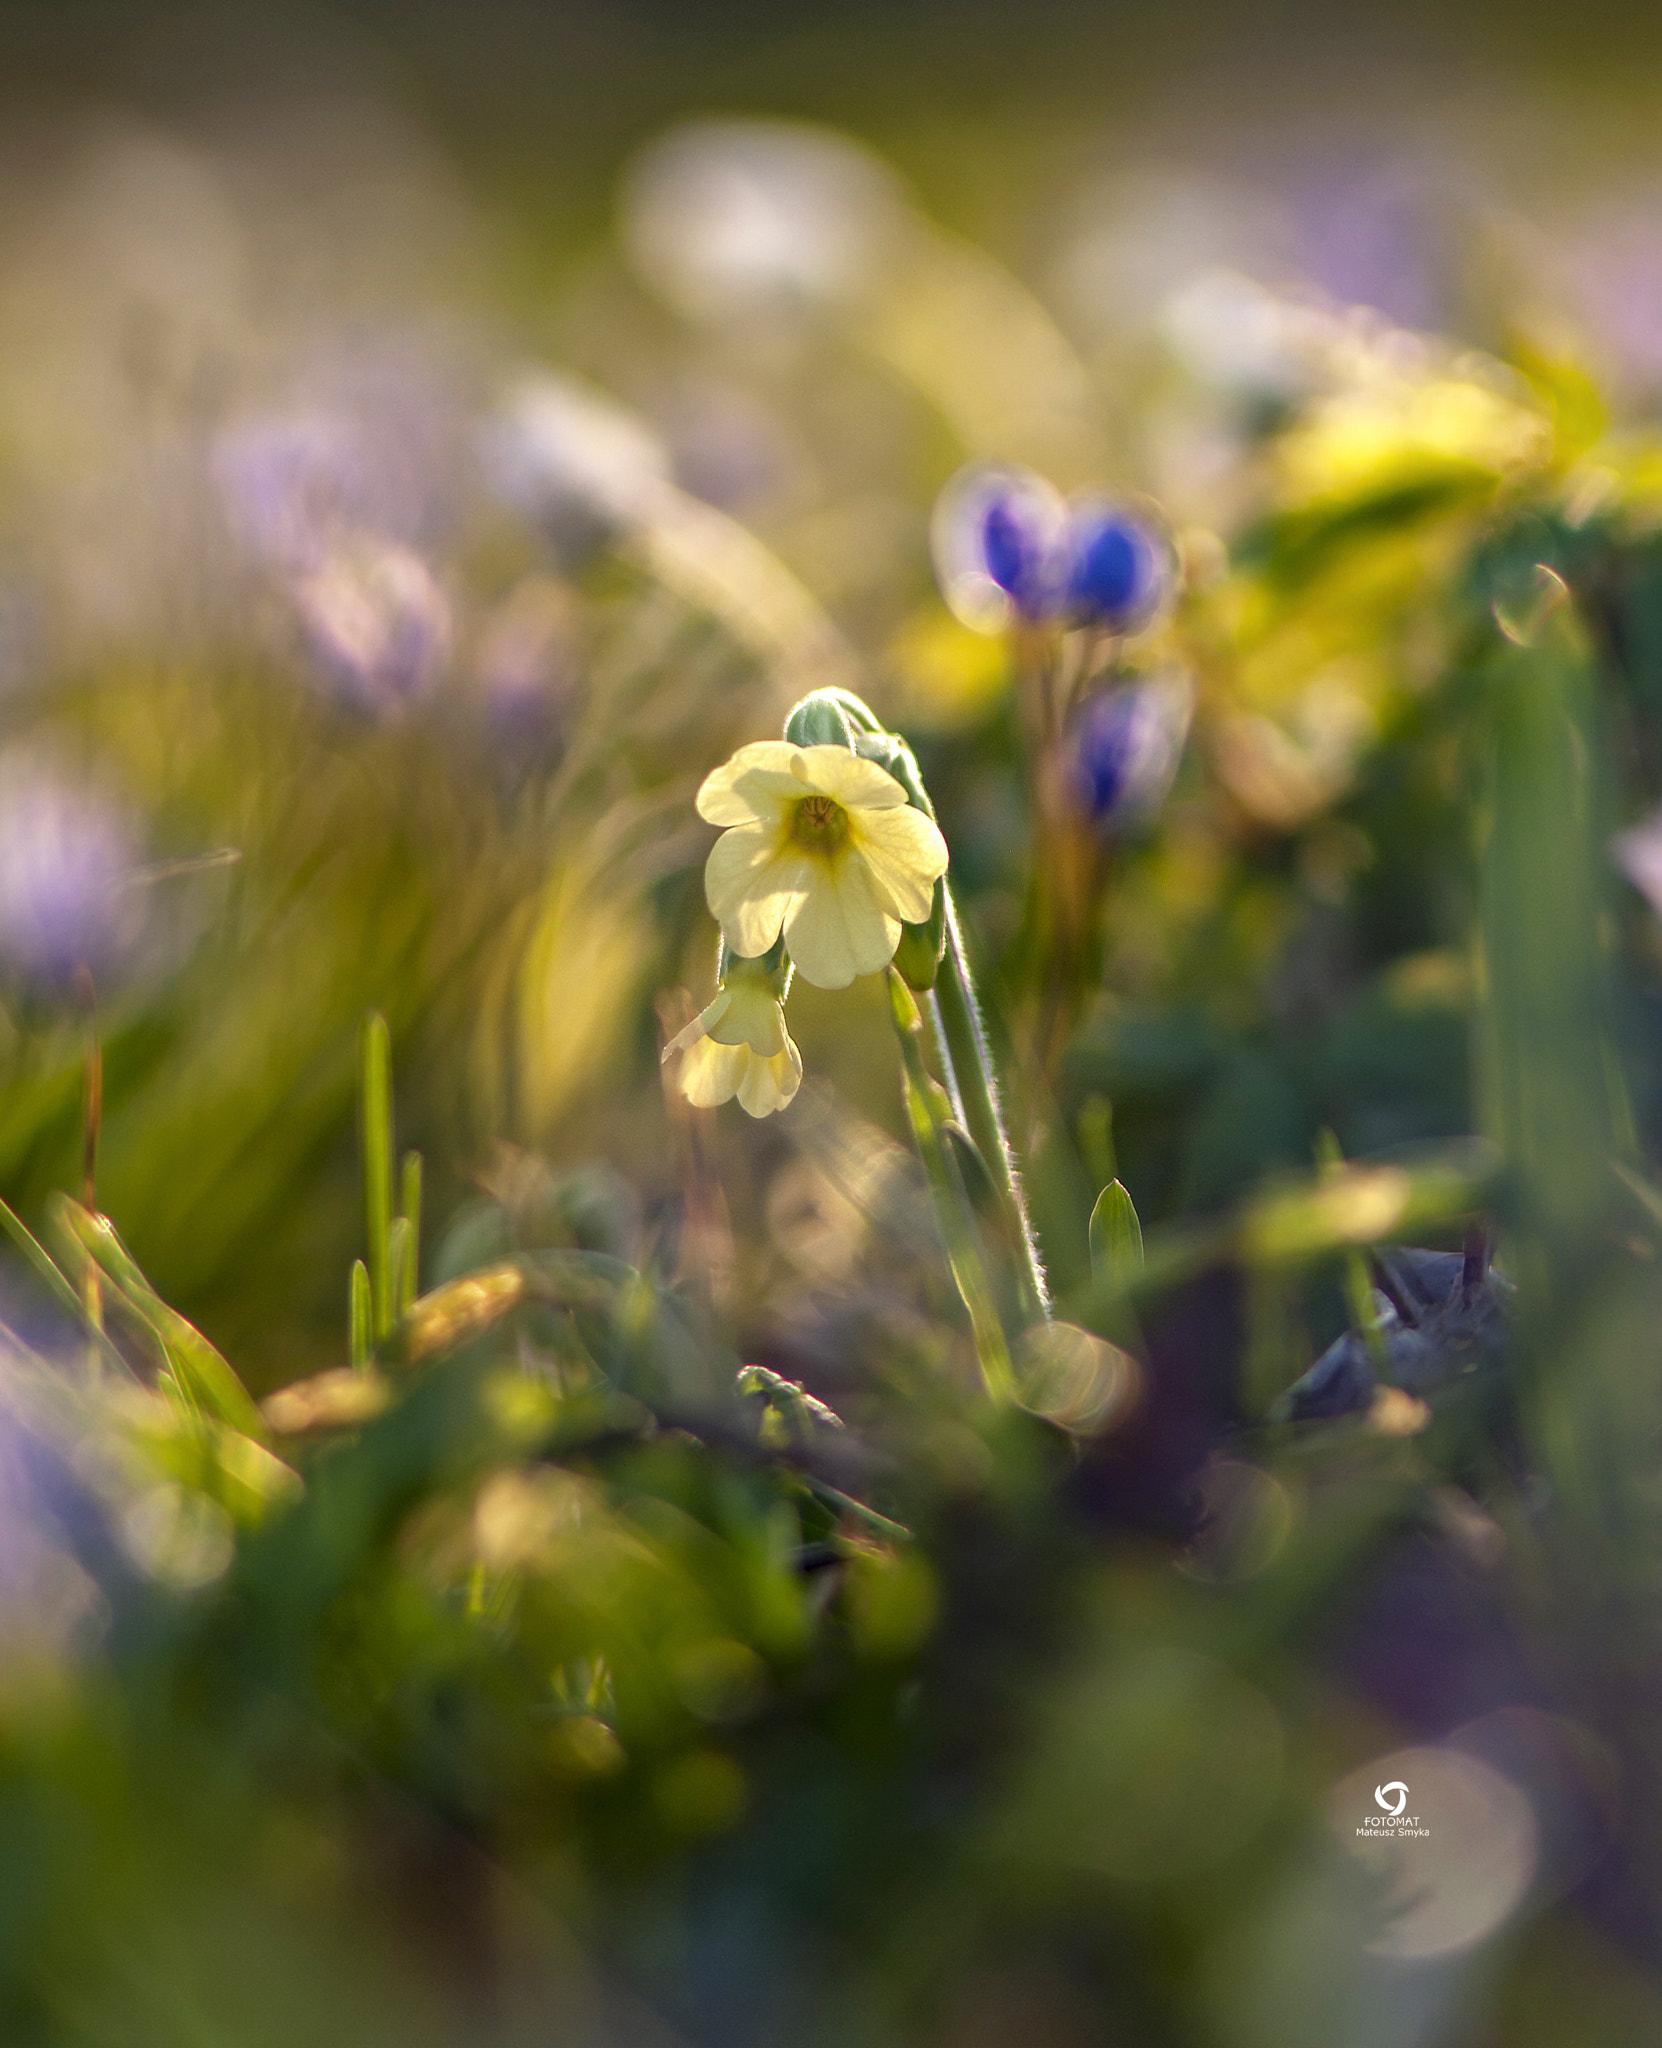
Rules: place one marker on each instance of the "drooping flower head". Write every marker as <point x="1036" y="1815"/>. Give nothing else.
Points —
<point x="738" y="1045"/>
<point x="1001" y="547"/>
<point x="1124" y="746"/>
<point x="822" y="847"/>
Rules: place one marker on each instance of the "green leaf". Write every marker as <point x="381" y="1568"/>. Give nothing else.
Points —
<point x="1116" y="1237"/>
<point x="203" y="1376"/>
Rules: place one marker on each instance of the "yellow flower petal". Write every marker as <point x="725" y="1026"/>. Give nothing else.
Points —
<point x="839" y="891"/>
<point x="711" y="1073"/>
<point x="700" y="1027"/>
<point x="839" y="928"/>
<point x="751" y="785"/>
<point x="753" y="1016"/>
<point x="906" y="855"/>
<point x="769" y="1084"/>
<point x="752" y="884"/>
<point x="855" y="783"/>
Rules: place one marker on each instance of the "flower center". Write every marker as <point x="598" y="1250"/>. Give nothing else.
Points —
<point x="820" y="824"/>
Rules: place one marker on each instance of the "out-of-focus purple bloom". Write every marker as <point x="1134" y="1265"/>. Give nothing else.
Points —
<point x="368" y="440"/>
<point x="583" y="468"/>
<point x="1612" y="265"/>
<point x="1124" y="746"/>
<point x="1376" y="234"/>
<point x="730" y="448"/>
<point x="1008" y="547"/>
<point x="295" y="483"/>
<point x="526" y="662"/>
<point x="377" y="623"/>
<point x="66" y="851"/>
<point x="49" y="1605"/>
<point x="1001" y="546"/>
<point x="1119" y="570"/>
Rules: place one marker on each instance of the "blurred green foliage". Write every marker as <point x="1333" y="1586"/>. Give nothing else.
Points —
<point x="492" y="1554"/>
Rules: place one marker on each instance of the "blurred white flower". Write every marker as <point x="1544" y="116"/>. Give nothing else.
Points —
<point x="1638" y="853"/>
<point x="1232" y="332"/>
<point x="728" y="220"/>
<point x="1136" y="239"/>
<point x="580" y="466"/>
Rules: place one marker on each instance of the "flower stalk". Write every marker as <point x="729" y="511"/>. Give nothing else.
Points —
<point x="926" y="1110"/>
<point x="977" y="1090"/>
<point x="953" y="1011"/>
<point x="831" y="865"/>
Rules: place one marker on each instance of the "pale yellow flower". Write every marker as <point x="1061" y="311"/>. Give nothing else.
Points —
<point x="739" y="1046"/>
<point x="823" y="846"/>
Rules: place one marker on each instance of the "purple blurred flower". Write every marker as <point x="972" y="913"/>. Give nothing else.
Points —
<point x="1612" y="261"/>
<point x="1001" y="547"/>
<point x="368" y="441"/>
<point x="1377" y="232"/>
<point x="1008" y="547"/>
<point x="526" y="662"/>
<point x="1124" y="746"/>
<point x="1119" y="570"/>
<point x="377" y="623"/>
<point x="294" y="483"/>
<point x="65" y="852"/>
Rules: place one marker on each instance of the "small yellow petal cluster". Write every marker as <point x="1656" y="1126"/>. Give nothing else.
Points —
<point x="822" y="846"/>
<point x="738" y="1045"/>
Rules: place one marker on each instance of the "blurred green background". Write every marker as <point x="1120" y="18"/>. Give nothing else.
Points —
<point x="432" y="439"/>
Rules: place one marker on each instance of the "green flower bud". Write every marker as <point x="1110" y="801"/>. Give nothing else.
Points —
<point x="922" y="946"/>
<point x="820" y="721"/>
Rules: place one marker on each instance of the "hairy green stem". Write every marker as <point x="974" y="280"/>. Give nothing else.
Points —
<point x="953" y="1209"/>
<point x="972" y="1064"/>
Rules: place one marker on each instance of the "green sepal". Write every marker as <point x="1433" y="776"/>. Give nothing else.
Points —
<point x="820" y="721"/>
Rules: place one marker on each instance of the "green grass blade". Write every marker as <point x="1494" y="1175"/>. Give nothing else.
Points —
<point x="360" y="1318"/>
<point x="375" y="1128"/>
<point x="60" y="1288"/>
